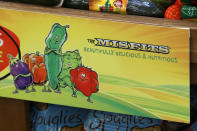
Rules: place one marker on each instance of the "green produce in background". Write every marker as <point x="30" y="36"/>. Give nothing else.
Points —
<point x="188" y="12"/>
<point x="57" y="3"/>
<point x="53" y="61"/>
<point x="145" y="8"/>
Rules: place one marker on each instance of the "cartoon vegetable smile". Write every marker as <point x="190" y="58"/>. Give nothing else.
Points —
<point x="21" y="74"/>
<point x="85" y="80"/>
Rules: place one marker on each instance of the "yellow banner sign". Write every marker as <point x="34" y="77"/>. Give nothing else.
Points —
<point x="97" y="64"/>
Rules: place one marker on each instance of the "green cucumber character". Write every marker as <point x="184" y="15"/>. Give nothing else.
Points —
<point x="54" y="42"/>
<point x="71" y="60"/>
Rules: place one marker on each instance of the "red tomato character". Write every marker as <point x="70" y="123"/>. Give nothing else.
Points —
<point x="85" y="80"/>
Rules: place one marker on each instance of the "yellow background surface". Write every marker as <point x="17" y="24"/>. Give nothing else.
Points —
<point x="33" y="28"/>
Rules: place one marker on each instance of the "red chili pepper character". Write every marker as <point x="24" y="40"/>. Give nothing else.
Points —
<point x="85" y="80"/>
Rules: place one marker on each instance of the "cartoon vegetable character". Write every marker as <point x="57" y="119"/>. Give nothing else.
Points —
<point x="85" y="80"/>
<point x="35" y="61"/>
<point x="107" y="6"/>
<point x="21" y="74"/>
<point x="52" y="54"/>
<point x="71" y="60"/>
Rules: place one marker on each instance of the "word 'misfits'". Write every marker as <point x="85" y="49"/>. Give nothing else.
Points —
<point x="130" y="45"/>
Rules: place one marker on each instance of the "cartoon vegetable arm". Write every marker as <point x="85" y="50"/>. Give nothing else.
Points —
<point x="94" y="81"/>
<point x="74" y="75"/>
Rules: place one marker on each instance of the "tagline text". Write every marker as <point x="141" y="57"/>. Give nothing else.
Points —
<point x="130" y="54"/>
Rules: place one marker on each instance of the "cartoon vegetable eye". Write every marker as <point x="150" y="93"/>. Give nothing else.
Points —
<point x="69" y="64"/>
<point x="33" y="59"/>
<point x="83" y="75"/>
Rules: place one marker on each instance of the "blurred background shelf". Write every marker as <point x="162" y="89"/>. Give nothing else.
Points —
<point x="14" y="115"/>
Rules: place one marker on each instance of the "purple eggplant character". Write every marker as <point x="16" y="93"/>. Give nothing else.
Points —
<point x="21" y="74"/>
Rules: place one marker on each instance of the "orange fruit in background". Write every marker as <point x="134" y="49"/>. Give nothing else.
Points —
<point x="173" y="12"/>
<point x="178" y="2"/>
